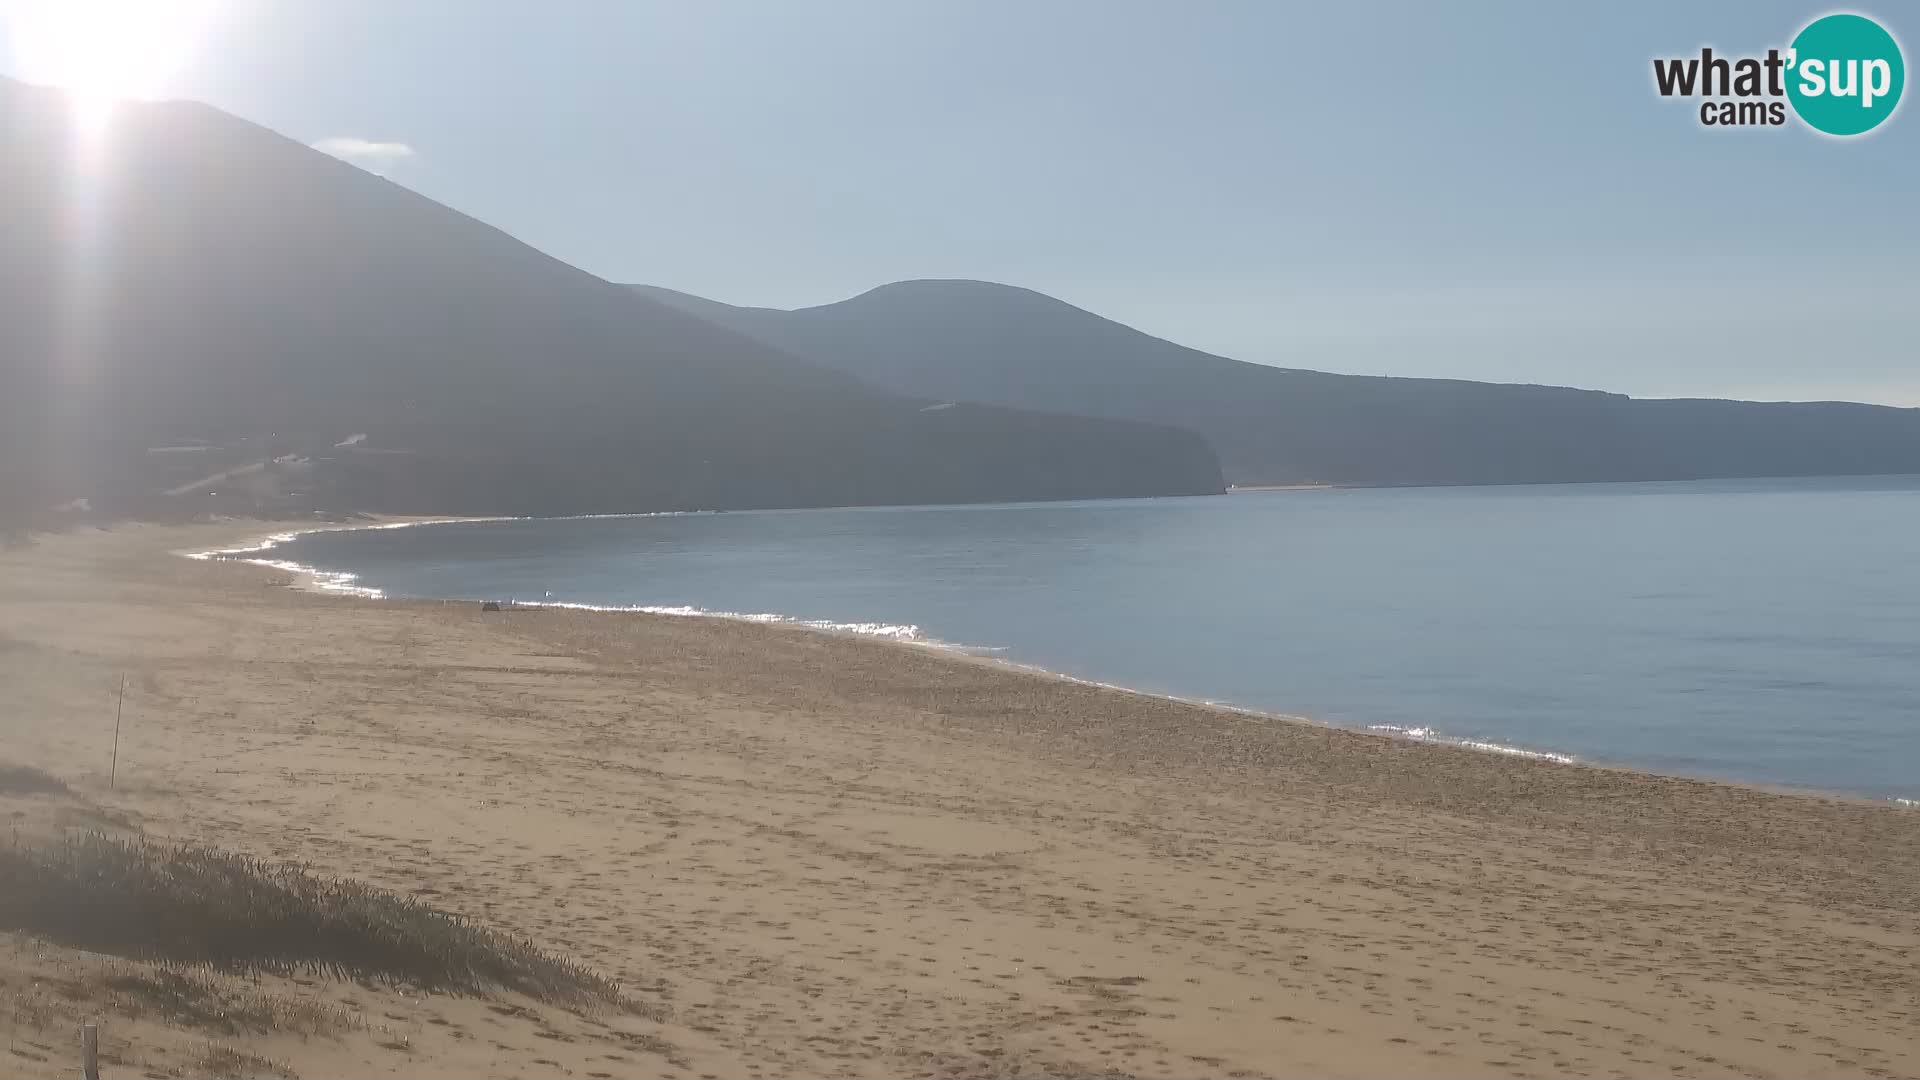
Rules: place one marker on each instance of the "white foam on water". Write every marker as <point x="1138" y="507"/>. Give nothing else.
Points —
<point x="905" y="632"/>
<point x="342" y="582"/>
<point x="1429" y="735"/>
<point x="333" y="581"/>
<point x="1210" y="703"/>
<point x="264" y="544"/>
<point x="1911" y="804"/>
<point x="329" y="581"/>
<point x="275" y="539"/>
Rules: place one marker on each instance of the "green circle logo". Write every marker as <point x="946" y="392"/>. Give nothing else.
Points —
<point x="1845" y="74"/>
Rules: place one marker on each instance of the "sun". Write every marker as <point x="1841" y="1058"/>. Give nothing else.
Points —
<point x="101" y="50"/>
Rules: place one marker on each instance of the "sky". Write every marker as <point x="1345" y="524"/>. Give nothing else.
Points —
<point x="1482" y="191"/>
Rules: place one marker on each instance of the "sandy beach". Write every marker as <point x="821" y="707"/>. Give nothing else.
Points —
<point x="812" y="855"/>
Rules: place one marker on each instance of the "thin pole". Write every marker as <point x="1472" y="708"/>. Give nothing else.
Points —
<point x="90" y="1052"/>
<point x="113" y="776"/>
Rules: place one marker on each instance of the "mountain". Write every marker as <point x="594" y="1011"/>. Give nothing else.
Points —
<point x="977" y="341"/>
<point x="192" y="303"/>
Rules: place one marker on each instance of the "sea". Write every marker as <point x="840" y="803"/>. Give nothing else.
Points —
<point x="1765" y="631"/>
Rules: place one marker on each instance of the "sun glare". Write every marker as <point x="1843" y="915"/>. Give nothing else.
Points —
<point x="101" y="50"/>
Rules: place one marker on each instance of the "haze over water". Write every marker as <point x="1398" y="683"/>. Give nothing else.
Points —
<point x="1766" y="631"/>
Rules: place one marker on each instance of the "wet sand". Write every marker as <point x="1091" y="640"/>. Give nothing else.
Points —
<point x="820" y="855"/>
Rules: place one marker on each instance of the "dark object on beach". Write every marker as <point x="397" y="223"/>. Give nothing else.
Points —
<point x="490" y="605"/>
<point x="27" y="780"/>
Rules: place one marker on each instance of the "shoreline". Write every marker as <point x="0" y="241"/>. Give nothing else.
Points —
<point x="815" y="854"/>
<point x="340" y="583"/>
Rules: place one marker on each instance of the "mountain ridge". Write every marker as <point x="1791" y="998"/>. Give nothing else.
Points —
<point x="982" y="341"/>
<point x="196" y="278"/>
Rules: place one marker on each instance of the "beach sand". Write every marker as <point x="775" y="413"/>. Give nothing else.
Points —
<point x="817" y="855"/>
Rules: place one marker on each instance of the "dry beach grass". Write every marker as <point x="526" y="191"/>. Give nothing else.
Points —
<point x="809" y="855"/>
<point x="202" y="906"/>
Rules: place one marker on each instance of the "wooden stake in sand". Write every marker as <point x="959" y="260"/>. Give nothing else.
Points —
<point x="120" y="707"/>
<point x="90" y="1051"/>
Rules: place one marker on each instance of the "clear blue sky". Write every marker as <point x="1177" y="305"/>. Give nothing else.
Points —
<point x="1484" y="191"/>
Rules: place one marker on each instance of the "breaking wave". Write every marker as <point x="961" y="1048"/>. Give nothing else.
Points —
<point x="1429" y="735"/>
<point x="906" y="632"/>
<point x="341" y="582"/>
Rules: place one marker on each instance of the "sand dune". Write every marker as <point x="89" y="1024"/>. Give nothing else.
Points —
<point x="825" y="856"/>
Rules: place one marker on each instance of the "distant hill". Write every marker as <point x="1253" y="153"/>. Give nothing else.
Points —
<point x="194" y="303"/>
<point x="977" y="341"/>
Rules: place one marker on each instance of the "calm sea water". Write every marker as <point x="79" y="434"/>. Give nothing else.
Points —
<point x="1759" y="630"/>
